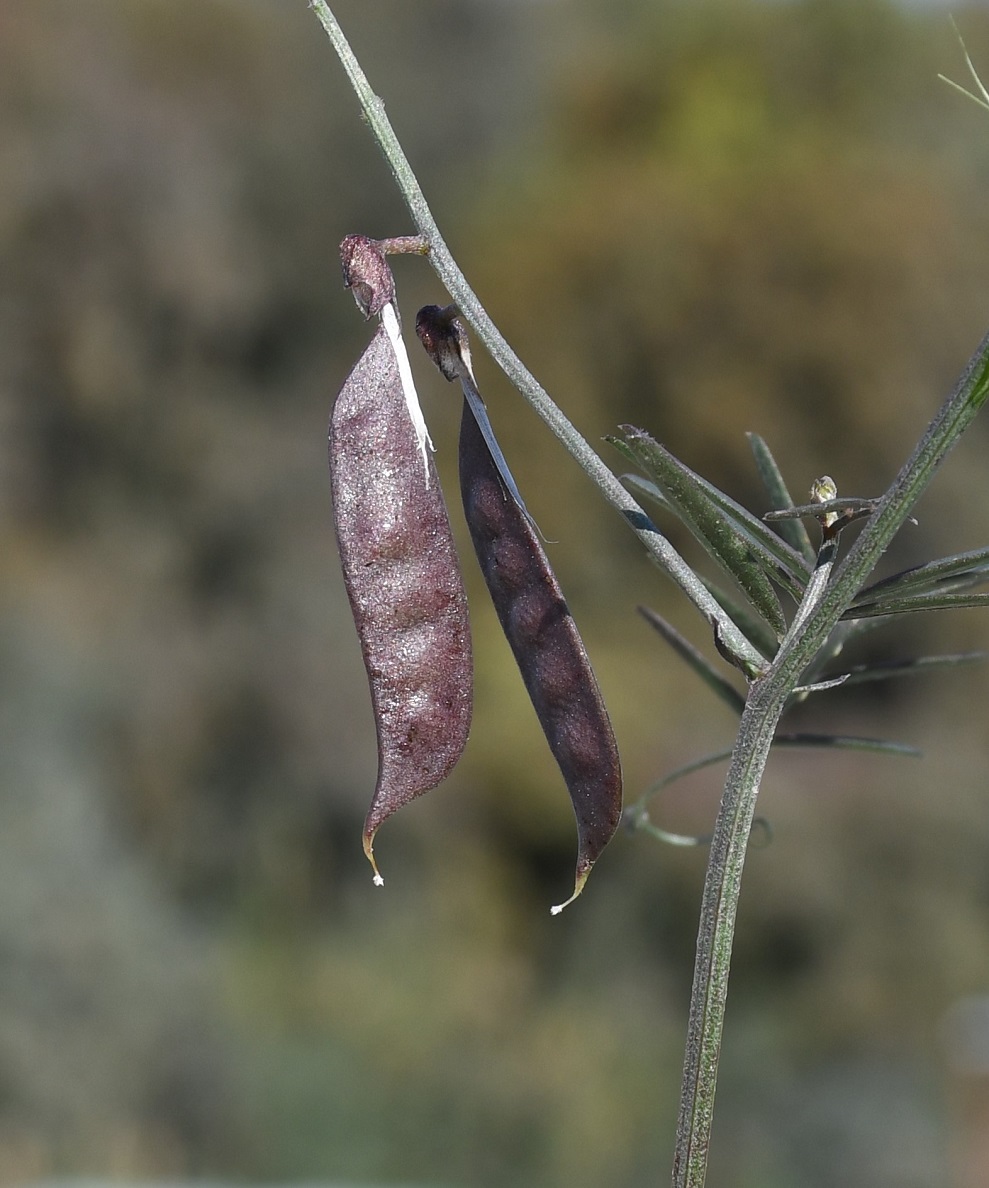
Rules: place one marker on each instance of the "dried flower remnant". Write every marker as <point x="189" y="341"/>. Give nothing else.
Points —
<point x="443" y="336"/>
<point x="531" y="608"/>
<point x="367" y="275"/>
<point x="399" y="562"/>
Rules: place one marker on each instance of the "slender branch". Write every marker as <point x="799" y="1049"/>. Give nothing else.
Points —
<point x="474" y="312"/>
<point x="716" y="931"/>
<point x="719" y="905"/>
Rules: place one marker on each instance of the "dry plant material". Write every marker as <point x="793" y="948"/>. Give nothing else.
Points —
<point x="532" y="610"/>
<point x="399" y="562"/>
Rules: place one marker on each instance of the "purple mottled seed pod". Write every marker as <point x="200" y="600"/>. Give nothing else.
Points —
<point x="403" y="580"/>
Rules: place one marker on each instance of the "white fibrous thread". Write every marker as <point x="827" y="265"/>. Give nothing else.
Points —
<point x="390" y="321"/>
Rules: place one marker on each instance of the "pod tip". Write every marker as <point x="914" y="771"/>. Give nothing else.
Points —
<point x="369" y="853"/>
<point x="577" y="888"/>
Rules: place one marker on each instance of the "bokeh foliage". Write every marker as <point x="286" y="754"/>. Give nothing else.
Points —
<point x="697" y="217"/>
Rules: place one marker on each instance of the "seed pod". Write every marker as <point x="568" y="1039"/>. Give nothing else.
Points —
<point x="400" y="568"/>
<point x="533" y="614"/>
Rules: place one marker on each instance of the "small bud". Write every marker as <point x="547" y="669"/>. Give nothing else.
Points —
<point x="823" y="489"/>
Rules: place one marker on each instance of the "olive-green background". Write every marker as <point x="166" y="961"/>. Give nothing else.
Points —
<point x="701" y="218"/>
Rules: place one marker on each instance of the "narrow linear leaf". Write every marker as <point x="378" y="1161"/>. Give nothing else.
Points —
<point x="982" y="99"/>
<point x="716" y="531"/>
<point x="644" y="824"/>
<point x="638" y="810"/>
<point x="922" y="602"/>
<point x="794" y="741"/>
<point x="780" y="499"/>
<point x="687" y="841"/>
<point x="751" y="626"/>
<point x="622" y="447"/>
<point x="846" y="742"/>
<point x="974" y="565"/>
<point x="917" y="666"/>
<point x="696" y="659"/>
<point x="892" y="669"/>
<point x="781" y="562"/>
<point x="965" y="580"/>
<point x="774" y="554"/>
<point x="964" y="91"/>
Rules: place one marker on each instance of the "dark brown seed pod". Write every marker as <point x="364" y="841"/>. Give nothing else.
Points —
<point x="403" y="580"/>
<point x="547" y="646"/>
<point x="530" y="605"/>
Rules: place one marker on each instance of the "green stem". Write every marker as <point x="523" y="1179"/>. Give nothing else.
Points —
<point x="722" y="884"/>
<point x="473" y="311"/>
<point x="817" y="616"/>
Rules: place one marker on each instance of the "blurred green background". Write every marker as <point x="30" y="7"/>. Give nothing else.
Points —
<point x="698" y="217"/>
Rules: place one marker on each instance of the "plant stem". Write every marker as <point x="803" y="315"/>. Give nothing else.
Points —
<point x="816" y="617"/>
<point x="722" y="883"/>
<point x="474" y="312"/>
